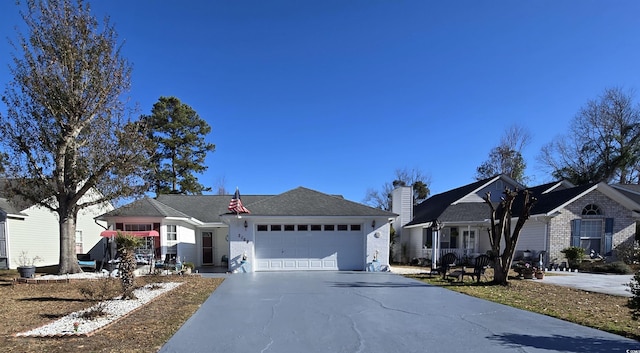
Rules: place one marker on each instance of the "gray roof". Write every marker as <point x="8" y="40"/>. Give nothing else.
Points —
<point x="146" y="207"/>
<point x="208" y="208"/>
<point x="631" y="191"/>
<point x="306" y="202"/>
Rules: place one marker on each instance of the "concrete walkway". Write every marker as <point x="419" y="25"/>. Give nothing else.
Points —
<point x="601" y="283"/>
<point x="370" y="312"/>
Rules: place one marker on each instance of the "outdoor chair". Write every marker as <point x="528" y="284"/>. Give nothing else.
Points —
<point x="447" y="261"/>
<point x="480" y="265"/>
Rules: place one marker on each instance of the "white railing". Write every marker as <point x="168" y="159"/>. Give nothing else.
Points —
<point x="460" y="253"/>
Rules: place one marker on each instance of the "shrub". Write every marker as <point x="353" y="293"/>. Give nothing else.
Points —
<point x="574" y="255"/>
<point x="634" y="301"/>
<point x="617" y="267"/>
<point x="628" y="252"/>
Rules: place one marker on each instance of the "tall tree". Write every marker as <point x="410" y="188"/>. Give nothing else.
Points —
<point x="506" y="158"/>
<point x="419" y="181"/>
<point x="603" y="143"/>
<point x="500" y="233"/>
<point x="66" y="131"/>
<point x="179" y="134"/>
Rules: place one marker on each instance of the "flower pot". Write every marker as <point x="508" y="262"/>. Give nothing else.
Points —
<point x="527" y="275"/>
<point x="539" y="275"/>
<point x="27" y="271"/>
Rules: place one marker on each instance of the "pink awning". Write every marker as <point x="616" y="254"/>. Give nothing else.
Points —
<point x="145" y="233"/>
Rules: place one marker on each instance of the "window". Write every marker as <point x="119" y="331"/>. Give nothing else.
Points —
<point x="355" y="227"/>
<point x="78" y="241"/>
<point x="276" y="227"/>
<point x="316" y="227"/>
<point x="172" y="232"/>
<point x="427" y="237"/>
<point x="289" y="227"/>
<point x="262" y="228"/>
<point x="591" y="210"/>
<point x="303" y="227"/>
<point x="343" y="227"/>
<point x="329" y="227"/>
<point x="591" y="235"/>
<point x="137" y="227"/>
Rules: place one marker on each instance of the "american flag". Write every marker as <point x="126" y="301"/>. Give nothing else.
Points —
<point x="236" y="204"/>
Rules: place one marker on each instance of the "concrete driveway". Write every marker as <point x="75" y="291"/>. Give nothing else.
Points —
<point x="370" y="312"/>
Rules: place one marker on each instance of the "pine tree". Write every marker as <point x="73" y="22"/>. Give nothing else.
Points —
<point x="180" y="147"/>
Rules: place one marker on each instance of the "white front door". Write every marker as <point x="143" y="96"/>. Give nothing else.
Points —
<point x="469" y="241"/>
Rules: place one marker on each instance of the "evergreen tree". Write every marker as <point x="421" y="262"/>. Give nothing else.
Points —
<point x="180" y="147"/>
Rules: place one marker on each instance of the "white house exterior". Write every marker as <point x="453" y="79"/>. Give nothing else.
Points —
<point x="299" y="230"/>
<point x="596" y="217"/>
<point x="34" y="230"/>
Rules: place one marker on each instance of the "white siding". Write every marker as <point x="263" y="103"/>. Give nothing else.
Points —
<point x="533" y="236"/>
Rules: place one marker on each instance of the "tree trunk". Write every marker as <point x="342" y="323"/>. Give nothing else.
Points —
<point x="68" y="262"/>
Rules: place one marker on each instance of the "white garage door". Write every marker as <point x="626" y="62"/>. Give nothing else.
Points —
<point x="280" y="250"/>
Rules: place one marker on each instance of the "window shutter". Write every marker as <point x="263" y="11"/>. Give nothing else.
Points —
<point x="575" y="232"/>
<point x="608" y="236"/>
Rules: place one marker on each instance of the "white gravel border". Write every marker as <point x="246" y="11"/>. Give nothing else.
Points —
<point x="114" y="310"/>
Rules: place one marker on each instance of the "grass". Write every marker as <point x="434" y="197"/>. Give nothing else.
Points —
<point x="601" y="311"/>
<point x="26" y="306"/>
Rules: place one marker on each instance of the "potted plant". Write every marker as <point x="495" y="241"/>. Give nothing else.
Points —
<point x="538" y="273"/>
<point x="26" y="265"/>
<point x="574" y="255"/>
<point x="188" y="267"/>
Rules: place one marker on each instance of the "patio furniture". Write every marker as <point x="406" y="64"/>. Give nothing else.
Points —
<point x="480" y="265"/>
<point x="447" y="261"/>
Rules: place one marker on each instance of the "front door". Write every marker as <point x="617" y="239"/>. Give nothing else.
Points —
<point x="207" y="248"/>
<point x="469" y="241"/>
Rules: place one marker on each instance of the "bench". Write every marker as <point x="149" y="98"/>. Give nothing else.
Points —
<point x="87" y="264"/>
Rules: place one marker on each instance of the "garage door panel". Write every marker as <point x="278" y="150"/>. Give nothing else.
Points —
<point x="328" y="250"/>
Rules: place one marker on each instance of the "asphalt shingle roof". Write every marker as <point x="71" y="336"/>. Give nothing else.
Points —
<point x="208" y="208"/>
<point x="306" y="202"/>
<point x="434" y="207"/>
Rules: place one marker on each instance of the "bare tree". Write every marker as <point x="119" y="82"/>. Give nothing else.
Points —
<point x="603" y="143"/>
<point x="506" y="158"/>
<point x="501" y="227"/>
<point x="403" y="177"/>
<point x="65" y="130"/>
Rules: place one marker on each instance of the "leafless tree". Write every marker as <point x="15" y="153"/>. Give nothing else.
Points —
<point x="603" y="143"/>
<point x="506" y="158"/>
<point x="403" y="177"/>
<point x="500" y="233"/>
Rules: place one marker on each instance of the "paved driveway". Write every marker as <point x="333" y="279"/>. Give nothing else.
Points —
<point x="370" y="312"/>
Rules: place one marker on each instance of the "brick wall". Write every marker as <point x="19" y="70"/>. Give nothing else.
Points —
<point x="560" y="226"/>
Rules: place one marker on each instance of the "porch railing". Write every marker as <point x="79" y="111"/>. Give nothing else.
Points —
<point x="462" y="254"/>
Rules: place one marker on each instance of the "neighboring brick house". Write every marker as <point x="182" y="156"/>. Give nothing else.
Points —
<point x="594" y="216"/>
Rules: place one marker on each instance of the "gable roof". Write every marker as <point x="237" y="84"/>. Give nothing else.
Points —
<point x="209" y="208"/>
<point x="145" y="207"/>
<point x="12" y="204"/>
<point x="434" y="207"/>
<point x="631" y="191"/>
<point x="551" y="197"/>
<point x="306" y="202"/>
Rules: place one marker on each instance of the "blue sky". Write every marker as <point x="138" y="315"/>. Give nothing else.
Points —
<point x="337" y="95"/>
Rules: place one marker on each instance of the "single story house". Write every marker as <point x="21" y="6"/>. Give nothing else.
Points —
<point x="34" y="230"/>
<point x="595" y="217"/>
<point x="300" y="229"/>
